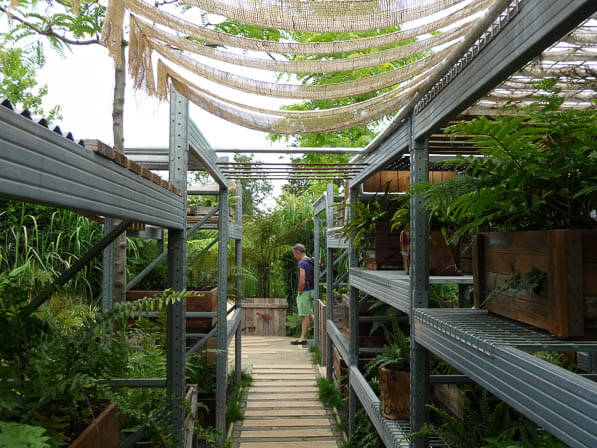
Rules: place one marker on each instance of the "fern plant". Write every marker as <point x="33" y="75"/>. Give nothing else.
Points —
<point x="539" y="171"/>
<point x="395" y="356"/>
<point x="360" y="224"/>
<point x="51" y="375"/>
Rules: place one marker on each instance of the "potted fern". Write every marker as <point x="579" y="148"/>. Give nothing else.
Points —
<point x="393" y="369"/>
<point x="371" y="231"/>
<point x="531" y="204"/>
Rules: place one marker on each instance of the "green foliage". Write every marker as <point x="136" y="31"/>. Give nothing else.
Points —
<point x="293" y="325"/>
<point x="527" y="284"/>
<point x="365" y="215"/>
<point x="20" y="435"/>
<point x="315" y="355"/>
<point x="201" y="373"/>
<point x="18" y="83"/>
<point x="234" y="411"/>
<point x="365" y="435"/>
<point x="51" y="369"/>
<point x="254" y="192"/>
<point x="329" y="394"/>
<point x="48" y="242"/>
<point x="21" y="50"/>
<point x="442" y="292"/>
<point x="395" y="356"/>
<point x="540" y="171"/>
<point x="439" y="198"/>
<point x="489" y="424"/>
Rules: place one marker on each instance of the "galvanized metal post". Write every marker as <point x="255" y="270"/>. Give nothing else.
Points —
<point x="419" y="286"/>
<point x="108" y="269"/>
<point x="238" y="259"/>
<point x="329" y="302"/>
<point x="353" y="343"/>
<point x="222" y="340"/>
<point x="317" y="320"/>
<point x="177" y="268"/>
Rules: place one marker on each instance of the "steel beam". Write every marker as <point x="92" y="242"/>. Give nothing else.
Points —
<point x="40" y="166"/>
<point x="419" y="282"/>
<point x="177" y="268"/>
<point x="142" y="383"/>
<point x="264" y="150"/>
<point x="563" y="403"/>
<point x="392" y="148"/>
<point x="316" y="269"/>
<point x="329" y="262"/>
<point x="201" y="149"/>
<point x="238" y="260"/>
<point x="222" y="334"/>
<point x="338" y="339"/>
<point x="537" y="25"/>
<point x="150" y="267"/>
<point x="233" y="325"/>
<point x="319" y="205"/>
<point x="353" y="343"/>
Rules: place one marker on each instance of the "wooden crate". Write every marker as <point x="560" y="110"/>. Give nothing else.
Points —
<point x="103" y="432"/>
<point x="451" y="397"/>
<point x="385" y="253"/>
<point x="198" y="301"/>
<point x="264" y="316"/>
<point x="569" y="259"/>
<point x="443" y="259"/>
<point x="399" y="181"/>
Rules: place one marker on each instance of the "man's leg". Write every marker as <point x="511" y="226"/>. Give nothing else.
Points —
<point x="306" y="321"/>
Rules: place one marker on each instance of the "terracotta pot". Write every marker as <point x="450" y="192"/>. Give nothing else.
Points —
<point x="394" y="390"/>
<point x="103" y="432"/>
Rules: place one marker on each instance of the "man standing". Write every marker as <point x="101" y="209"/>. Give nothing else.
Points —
<point x="304" y="299"/>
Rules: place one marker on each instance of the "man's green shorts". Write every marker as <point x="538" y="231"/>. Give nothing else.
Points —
<point x="304" y="302"/>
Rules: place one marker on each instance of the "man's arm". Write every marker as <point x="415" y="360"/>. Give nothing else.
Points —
<point x="301" y="284"/>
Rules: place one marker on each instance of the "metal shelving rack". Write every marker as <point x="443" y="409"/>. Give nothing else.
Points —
<point x="41" y="166"/>
<point x="491" y="351"/>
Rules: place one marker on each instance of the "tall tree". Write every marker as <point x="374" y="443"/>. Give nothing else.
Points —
<point x="22" y="50"/>
<point x="255" y="191"/>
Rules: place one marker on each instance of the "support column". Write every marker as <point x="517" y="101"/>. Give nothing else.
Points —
<point x="353" y="343"/>
<point x="238" y="259"/>
<point x="317" y="321"/>
<point x="419" y="284"/>
<point x="177" y="269"/>
<point x="108" y="269"/>
<point x="222" y="340"/>
<point x="329" y="276"/>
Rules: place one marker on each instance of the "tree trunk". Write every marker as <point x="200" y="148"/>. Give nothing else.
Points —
<point x="263" y="280"/>
<point x="118" y="132"/>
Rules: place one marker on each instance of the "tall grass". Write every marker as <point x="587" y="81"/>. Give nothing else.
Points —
<point x="51" y="249"/>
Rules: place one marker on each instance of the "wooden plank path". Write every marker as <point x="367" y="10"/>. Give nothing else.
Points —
<point x="281" y="408"/>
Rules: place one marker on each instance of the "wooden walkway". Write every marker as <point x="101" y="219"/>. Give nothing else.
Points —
<point x="281" y="408"/>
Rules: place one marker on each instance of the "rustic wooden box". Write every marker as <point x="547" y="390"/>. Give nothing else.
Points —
<point x="198" y="301"/>
<point x="264" y="316"/>
<point x="103" y="432"/>
<point x="399" y="181"/>
<point x="564" y="305"/>
<point x="385" y="253"/>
